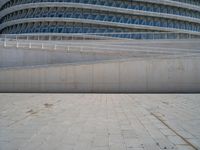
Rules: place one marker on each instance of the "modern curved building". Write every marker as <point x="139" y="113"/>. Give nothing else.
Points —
<point x="99" y="16"/>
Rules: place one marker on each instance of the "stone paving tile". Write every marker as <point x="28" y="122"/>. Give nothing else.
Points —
<point x="99" y="122"/>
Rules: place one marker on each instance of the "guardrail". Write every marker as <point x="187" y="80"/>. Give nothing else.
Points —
<point x="89" y="46"/>
<point x="102" y="36"/>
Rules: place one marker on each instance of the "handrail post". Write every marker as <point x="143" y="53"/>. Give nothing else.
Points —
<point x="68" y="48"/>
<point x="4" y="44"/>
<point x="30" y="45"/>
<point x="17" y="45"/>
<point x="55" y="47"/>
<point x="42" y="46"/>
<point x="81" y="49"/>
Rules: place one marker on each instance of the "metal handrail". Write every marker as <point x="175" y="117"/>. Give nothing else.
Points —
<point x="113" y="35"/>
<point x="91" y="48"/>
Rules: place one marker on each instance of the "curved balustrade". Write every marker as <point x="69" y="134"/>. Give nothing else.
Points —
<point x="161" y="6"/>
<point x="53" y="25"/>
<point x="89" y="16"/>
<point x="61" y="7"/>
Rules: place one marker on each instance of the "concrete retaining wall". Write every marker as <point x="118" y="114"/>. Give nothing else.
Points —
<point x="12" y="57"/>
<point x="135" y="75"/>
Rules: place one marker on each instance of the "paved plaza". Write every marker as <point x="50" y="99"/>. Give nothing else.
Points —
<point x="99" y="122"/>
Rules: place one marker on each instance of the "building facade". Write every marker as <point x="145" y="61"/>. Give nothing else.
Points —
<point x="99" y="16"/>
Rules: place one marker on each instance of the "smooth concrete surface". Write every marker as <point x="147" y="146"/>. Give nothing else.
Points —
<point x="13" y="57"/>
<point x="129" y="75"/>
<point x="99" y="122"/>
<point x="100" y="66"/>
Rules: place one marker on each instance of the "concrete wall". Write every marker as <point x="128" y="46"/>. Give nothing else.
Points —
<point x="12" y="57"/>
<point x="133" y="75"/>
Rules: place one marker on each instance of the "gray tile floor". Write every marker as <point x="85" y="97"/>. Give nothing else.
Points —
<point x="99" y="122"/>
